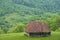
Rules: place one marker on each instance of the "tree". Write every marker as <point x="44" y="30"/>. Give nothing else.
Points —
<point x="19" y="28"/>
<point x="54" y="22"/>
<point x="57" y="22"/>
<point x="1" y="31"/>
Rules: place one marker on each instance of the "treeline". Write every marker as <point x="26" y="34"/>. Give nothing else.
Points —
<point x="16" y="27"/>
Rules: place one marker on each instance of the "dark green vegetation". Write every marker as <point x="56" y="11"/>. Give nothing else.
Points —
<point x="15" y="14"/>
<point x="21" y="36"/>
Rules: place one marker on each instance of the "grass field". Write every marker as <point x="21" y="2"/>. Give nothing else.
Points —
<point x="21" y="36"/>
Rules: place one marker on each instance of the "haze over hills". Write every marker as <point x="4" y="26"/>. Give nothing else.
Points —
<point x="24" y="11"/>
<point x="10" y="6"/>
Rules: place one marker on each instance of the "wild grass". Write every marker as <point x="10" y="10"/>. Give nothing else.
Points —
<point x="21" y="36"/>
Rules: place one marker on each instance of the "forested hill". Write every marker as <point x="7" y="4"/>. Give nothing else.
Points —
<point x="33" y="6"/>
<point x="13" y="12"/>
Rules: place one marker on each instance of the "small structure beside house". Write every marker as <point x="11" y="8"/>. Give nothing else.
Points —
<point x="37" y="29"/>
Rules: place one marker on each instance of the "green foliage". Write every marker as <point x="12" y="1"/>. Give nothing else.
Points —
<point x="1" y="31"/>
<point x="53" y="23"/>
<point x="19" y="28"/>
<point x="24" y="11"/>
<point x="58" y="30"/>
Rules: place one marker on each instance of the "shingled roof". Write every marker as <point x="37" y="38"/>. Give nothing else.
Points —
<point x="37" y="27"/>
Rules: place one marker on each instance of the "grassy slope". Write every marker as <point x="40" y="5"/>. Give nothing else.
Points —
<point x="20" y="36"/>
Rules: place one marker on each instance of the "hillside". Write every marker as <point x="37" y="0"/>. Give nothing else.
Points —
<point x="13" y="12"/>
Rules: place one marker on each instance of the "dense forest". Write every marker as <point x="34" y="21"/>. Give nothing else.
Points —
<point x="16" y="14"/>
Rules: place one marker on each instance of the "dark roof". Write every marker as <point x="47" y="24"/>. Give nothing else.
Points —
<point x="37" y="27"/>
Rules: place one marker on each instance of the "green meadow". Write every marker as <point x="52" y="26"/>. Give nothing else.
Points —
<point x="21" y="36"/>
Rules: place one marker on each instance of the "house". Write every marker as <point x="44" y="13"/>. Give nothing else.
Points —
<point x="37" y="29"/>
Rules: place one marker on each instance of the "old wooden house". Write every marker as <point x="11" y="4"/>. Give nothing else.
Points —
<point x="38" y="29"/>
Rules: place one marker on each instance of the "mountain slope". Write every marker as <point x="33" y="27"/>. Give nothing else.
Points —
<point x="24" y="11"/>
